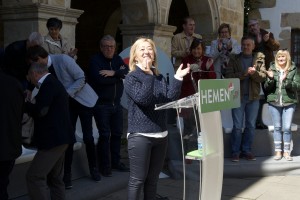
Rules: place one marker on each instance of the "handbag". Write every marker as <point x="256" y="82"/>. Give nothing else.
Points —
<point x="27" y="130"/>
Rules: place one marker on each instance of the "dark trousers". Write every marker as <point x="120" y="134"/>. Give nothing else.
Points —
<point x="146" y="157"/>
<point x="85" y="115"/>
<point x="109" y="121"/>
<point x="45" y="174"/>
<point x="5" y="169"/>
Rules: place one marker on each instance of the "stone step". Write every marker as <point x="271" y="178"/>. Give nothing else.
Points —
<point x="263" y="166"/>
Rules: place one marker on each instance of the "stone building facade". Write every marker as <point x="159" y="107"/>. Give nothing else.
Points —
<point x="84" y="22"/>
<point x="282" y="18"/>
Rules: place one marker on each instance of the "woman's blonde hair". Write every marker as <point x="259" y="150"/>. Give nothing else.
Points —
<point x="132" y="54"/>
<point x="285" y="53"/>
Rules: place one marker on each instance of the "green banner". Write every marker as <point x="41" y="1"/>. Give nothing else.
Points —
<point x="219" y="94"/>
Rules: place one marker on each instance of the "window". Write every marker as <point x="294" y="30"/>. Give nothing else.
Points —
<point x="295" y="46"/>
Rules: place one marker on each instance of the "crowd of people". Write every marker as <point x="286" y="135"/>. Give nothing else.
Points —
<point x="64" y="93"/>
<point x="47" y="83"/>
<point x="264" y="78"/>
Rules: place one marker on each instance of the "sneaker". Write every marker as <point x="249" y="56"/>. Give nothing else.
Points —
<point x="250" y="156"/>
<point x="95" y="174"/>
<point x="261" y="126"/>
<point x="106" y="172"/>
<point x="120" y="167"/>
<point x="67" y="181"/>
<point x="235" y="158"/>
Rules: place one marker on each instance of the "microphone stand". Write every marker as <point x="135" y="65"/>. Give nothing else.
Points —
<point x="195" y="106"/>
<point x="192" y="78"/>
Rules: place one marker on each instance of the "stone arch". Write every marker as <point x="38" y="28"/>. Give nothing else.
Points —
<point x="145" y="11"/>
<point x="205" y="13"/>
<point x="113" y="22"/>
<point x="112" y="27"/>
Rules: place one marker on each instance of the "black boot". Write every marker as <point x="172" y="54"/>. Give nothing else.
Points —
<point x="67" y="180"/>
<point x="91" y="156"/>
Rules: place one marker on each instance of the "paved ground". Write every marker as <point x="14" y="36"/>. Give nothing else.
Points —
<point x="262" y="188"/>
<point x="276" y="187"/>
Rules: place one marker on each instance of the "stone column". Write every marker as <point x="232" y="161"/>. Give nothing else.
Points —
<point x="22" y="18"/>
<point x="160" y="33"/>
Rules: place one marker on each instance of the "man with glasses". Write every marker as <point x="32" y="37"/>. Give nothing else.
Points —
<point x="106" y="73"/>
<point x="265" y="43"/>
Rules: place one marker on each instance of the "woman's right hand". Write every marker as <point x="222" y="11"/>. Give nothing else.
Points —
<point x="182" y="72"/>
<point x="146" y="66"/>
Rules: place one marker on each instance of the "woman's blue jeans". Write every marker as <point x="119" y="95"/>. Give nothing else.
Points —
<point x="239" y="140"/>
<point x="282" y="119"/>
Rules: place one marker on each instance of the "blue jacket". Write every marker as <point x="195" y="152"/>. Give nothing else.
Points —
<point x="144" y="91"/>
<point x="73" y="79"/>
<point x="109" y="89"/>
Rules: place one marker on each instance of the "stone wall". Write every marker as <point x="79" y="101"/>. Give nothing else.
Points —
<point x="232" y="12"/>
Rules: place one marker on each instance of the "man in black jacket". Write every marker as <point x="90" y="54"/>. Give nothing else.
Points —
<point x="15" y="61"/>
<point x="11" y="106"/>
<point x="106" y="74"/>
<point x="53" y="133"/>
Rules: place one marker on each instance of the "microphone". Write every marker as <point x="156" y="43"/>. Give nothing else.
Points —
<point x="195" y="67"/>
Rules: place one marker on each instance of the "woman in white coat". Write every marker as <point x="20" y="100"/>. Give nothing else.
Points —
<point x="222" y="47"/>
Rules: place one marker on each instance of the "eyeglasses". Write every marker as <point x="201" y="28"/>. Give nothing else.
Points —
<point x="108" y="46"/>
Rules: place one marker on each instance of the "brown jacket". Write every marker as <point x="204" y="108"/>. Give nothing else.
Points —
<point x="179" y="47"/>
<point x="266" y="48"/>
<point x="235" y="70"/>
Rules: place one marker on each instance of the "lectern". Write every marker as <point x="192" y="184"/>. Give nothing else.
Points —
<point x="213" y="96"/>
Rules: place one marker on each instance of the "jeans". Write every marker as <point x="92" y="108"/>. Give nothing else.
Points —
<point x="109" y="121"/>
<point x="146" y="158"/>
<point x="282" y="119"/>
<point x="5" y="169"/>
<point x="239" y="140"/>
<point x="86" y="116"/>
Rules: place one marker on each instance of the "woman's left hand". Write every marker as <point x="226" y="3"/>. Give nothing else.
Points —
<point x="182" y="72"/>
<point x="209" y="63"/>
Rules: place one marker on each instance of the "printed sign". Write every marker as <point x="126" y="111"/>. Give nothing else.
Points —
<point x="219" y="94"/>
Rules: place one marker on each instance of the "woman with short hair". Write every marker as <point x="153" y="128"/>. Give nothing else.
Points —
<point x="147" y="127"/>
<point x="54" y="42"/>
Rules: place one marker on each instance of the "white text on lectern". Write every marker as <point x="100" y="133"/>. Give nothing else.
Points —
<point x="214" y="96"/>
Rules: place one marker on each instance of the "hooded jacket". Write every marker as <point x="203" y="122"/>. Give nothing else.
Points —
<point x="289" y="87"/>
